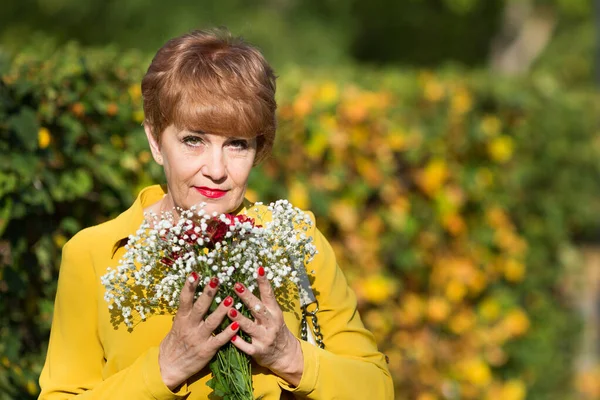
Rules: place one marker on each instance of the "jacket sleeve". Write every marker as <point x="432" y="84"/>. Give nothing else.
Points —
<point x="75" y="357"/>
<point x="350" y="366"/>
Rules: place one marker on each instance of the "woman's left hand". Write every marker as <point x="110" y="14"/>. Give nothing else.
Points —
<point x="273" y="345"/>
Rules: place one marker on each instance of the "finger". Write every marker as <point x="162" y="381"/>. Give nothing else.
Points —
<point x="213" y="321"/>
<point x="258" y="310"/>
<point x="267" y="295"/>
<point x="186" y="298"/>
<point x="203" y="302"/>
<point x="244" y="346"/>
<point x="227" y="335"/>
<point x="246" y="324"/>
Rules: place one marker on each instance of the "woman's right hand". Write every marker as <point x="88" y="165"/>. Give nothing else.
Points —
<point x="190" y="344"/>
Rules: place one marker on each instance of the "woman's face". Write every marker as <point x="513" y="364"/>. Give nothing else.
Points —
<point x="204" y="168"/>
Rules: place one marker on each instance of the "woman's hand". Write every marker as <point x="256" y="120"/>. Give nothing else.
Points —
<point x="190" y="344"/>
<point x="273" y="345"/>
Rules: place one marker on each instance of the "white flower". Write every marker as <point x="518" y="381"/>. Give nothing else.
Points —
<point x="161" y="255"/>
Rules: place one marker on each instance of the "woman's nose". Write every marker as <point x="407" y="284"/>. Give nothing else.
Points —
<point x="214" y="166"/>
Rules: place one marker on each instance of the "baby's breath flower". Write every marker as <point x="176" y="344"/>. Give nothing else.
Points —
<point x="164" y="251"/>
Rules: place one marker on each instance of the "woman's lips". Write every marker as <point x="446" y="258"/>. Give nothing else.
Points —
<point x="210" y="192"/>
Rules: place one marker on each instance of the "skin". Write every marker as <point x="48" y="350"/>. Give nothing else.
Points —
<point x="197" y="159"/>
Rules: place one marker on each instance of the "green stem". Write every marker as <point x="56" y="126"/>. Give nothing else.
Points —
<point x="232" y="377"/>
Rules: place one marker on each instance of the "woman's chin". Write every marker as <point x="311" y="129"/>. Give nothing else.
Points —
<point x="211" y="206"/>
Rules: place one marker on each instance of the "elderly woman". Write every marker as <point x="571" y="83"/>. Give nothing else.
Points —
<point x="209" y="117"/>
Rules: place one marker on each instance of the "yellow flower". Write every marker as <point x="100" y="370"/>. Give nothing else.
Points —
<point x="455" y="291"/>
<point x="497" y="217"/>
<point x="135" y="92"/>
<point x="489" y="309"/>
<point x="516" y="323"/>
<point x="490" y="125"/>
<point x="501" y="148"/>
<point x="377" y="323"/>
<point x="328" y="93"/>
<point x="144" y="157"/>
<point x="112" y="109"/>
<point x="433" y="91"/>
<point x="377" y="289"/>
<point x="412" y="310"/>
<point x="345" y="215"/>
<point x="317" y="145"/>
<point x="32" y="387"/>
<point x="427" y="396"/>
<point x="514" y="390"/>
<point x="454" y="223"/>
<point x="438" y="309"/>
<point x="514" y="270"/>
<point x="371" y="175"/>
<point x="476" y="371"/>
<point x="298" y="195"/>
<point x="59" y="240"/>
<point x="397" y="140"/>
<point x="302" y="106"/>
<point x="138" y="116"/>
<point x="433" y="176"/>
<point x="78" y="109"/>
<point x="462" y="322"/>
<point x="44" y="138"/>
<point x="461" y="102"/>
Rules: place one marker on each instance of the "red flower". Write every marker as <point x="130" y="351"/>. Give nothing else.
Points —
<point x="216" y="230"/>
<point x="169" y="261"/>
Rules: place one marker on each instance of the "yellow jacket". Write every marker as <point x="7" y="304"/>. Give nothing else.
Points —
<point x="89" y="357"/>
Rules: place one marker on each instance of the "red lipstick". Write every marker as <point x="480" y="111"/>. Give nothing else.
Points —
<point x="211" y="193"/>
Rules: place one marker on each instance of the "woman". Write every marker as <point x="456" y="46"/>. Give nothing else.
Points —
<point x="209" y="104"/>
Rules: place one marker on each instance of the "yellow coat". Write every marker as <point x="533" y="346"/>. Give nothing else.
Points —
<point x="90" y="357"/>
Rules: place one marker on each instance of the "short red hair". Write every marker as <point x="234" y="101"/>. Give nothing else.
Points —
<point x="213" y="82"/>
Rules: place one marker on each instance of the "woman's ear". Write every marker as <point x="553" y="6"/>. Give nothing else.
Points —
<point x="154" y="145"/>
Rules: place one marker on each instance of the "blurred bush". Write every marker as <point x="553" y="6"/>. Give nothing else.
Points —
<point x="452" y="200"/>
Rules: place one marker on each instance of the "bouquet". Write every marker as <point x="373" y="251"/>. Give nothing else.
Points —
<point x="167" y="248"/>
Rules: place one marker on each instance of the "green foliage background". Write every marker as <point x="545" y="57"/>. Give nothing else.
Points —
<point x="455" y="199"/>
<point x="404" y="169"/>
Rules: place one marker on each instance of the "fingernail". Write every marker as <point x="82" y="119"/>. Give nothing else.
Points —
<point x="214" y="282"/>
<point x="235" y="326"/>
<point x="261" y="271"/>
<point x="193" y="277"/>
<point x="228" y="300"/>
<point x="233" y="338"/>
<point x="239" y="288"/>
<point x="233" y="313"/>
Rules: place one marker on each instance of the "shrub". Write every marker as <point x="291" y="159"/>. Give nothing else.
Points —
<point x="450" y="198"/>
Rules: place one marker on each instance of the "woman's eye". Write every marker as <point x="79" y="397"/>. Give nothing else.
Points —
<point x="239" y="144"/>
<point x="192" y="140"/>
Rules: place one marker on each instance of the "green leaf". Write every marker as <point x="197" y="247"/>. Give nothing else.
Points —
<point x="26" y="126"/>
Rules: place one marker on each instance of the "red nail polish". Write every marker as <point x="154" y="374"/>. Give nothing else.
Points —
<point x="233" y="338"/>
<point x="228" y="300"/>
<point x="235" y="326"/>
<point x="214" y="282"/>
<point x="233" y="313"/>
<point x="261" y="271"/>
<point x="239" y="288"/>
<point x="194" y="276"/>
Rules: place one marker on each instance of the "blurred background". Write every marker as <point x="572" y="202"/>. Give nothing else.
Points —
<point x="449" y="148"/>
